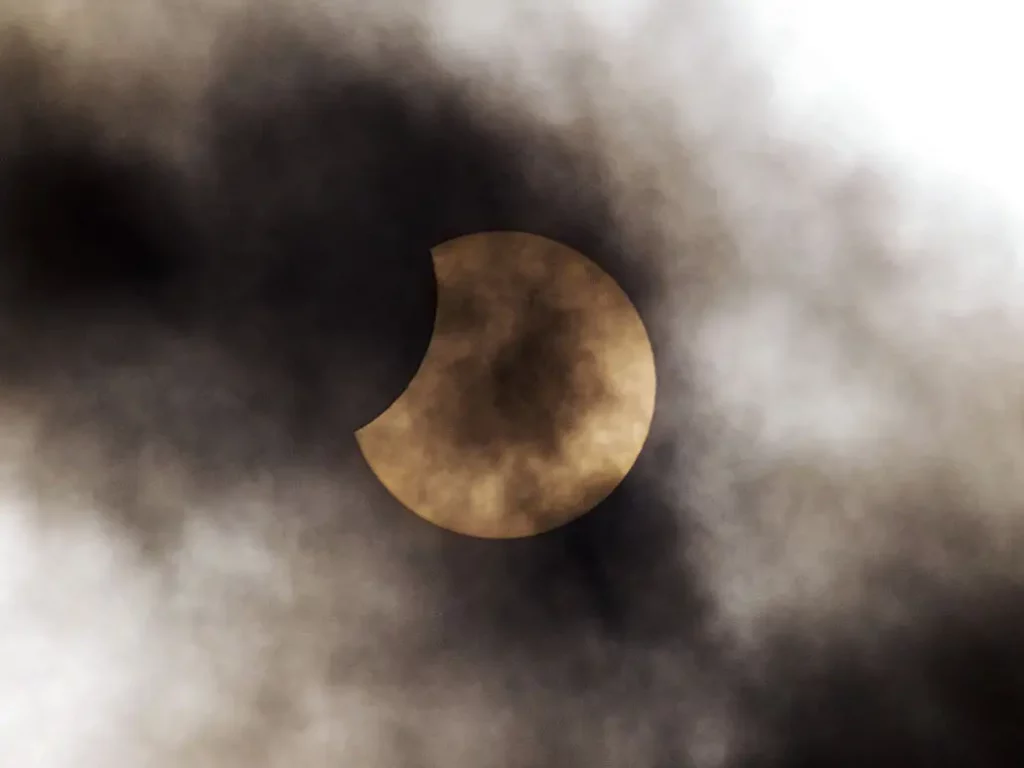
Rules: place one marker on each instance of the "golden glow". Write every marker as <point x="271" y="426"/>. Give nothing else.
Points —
<point x="534" y="398"/>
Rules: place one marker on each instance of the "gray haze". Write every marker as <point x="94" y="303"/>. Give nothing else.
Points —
<point x="215" y="220"/>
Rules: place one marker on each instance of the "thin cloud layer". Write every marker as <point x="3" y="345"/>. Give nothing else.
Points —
<point x="815" y="560"/>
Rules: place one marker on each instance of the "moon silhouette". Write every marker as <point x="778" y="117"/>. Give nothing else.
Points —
<point x="534" y="398"/>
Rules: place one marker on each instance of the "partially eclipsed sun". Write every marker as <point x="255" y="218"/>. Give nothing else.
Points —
<point x="534" y="398"/>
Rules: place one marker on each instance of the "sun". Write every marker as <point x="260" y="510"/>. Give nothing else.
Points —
<point x="535" y="396"/>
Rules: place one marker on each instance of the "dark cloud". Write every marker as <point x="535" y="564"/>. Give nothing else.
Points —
<point x="248" y="312"/>
<point x="944" y="690"/>
<point x="242" y="311"/>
